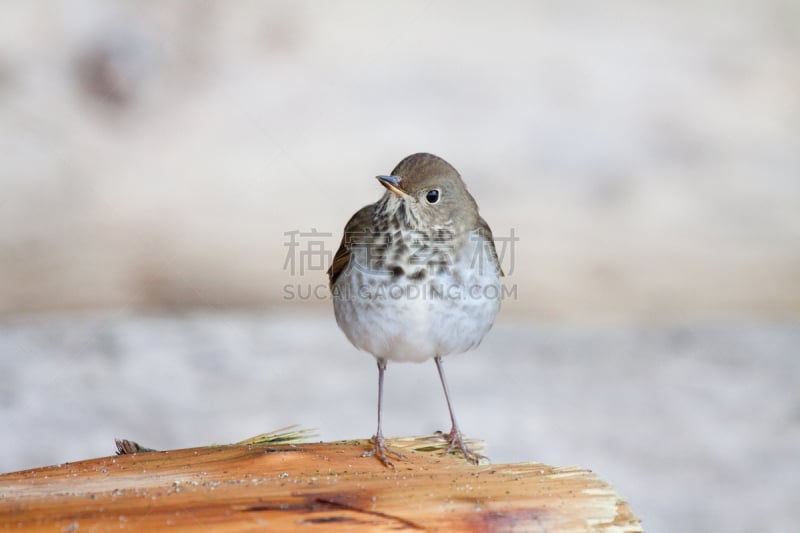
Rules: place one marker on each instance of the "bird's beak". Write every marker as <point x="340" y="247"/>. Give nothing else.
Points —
<point x="393" y="184"/>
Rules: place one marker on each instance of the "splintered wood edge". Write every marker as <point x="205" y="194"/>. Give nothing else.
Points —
<point x="287" y="486"/>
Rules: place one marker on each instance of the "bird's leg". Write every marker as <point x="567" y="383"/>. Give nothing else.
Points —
<point x="380" y="449"/>
<point x="454" y="437"/>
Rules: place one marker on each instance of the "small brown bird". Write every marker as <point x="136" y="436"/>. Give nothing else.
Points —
<point x="417" y="277"/>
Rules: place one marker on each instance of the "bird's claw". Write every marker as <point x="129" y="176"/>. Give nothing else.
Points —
<point x="456" y="440"/>
<point x="381" y="450"/>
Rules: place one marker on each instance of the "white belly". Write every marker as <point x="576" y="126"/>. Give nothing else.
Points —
<point x="403" y="320"/>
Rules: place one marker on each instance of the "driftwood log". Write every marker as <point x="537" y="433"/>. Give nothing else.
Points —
<point x="282" y="486"/>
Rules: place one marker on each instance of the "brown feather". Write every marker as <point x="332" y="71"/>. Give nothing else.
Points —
<point x="485" y="231"/>
<point x="355" y="231"/>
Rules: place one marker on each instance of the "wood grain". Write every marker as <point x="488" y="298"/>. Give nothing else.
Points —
<point x="322" y="487"/>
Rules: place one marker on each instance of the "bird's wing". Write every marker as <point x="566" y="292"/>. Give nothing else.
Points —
<point x="485" y="231"/>
<point x="355" y="231"/>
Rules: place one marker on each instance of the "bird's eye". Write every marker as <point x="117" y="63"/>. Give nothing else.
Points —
<point x="432" y="196"/>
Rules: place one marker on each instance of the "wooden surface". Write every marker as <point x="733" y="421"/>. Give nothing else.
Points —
<point x="310" y="487"/>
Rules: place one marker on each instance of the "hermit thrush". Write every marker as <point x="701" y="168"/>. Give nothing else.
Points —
<point x="416" y="277"/>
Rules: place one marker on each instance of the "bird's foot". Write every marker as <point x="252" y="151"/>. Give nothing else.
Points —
<point x="381" y="450"/>
<point x="456" y="440"/>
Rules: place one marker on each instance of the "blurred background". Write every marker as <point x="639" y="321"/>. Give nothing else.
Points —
<point x="175" y="177"/>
